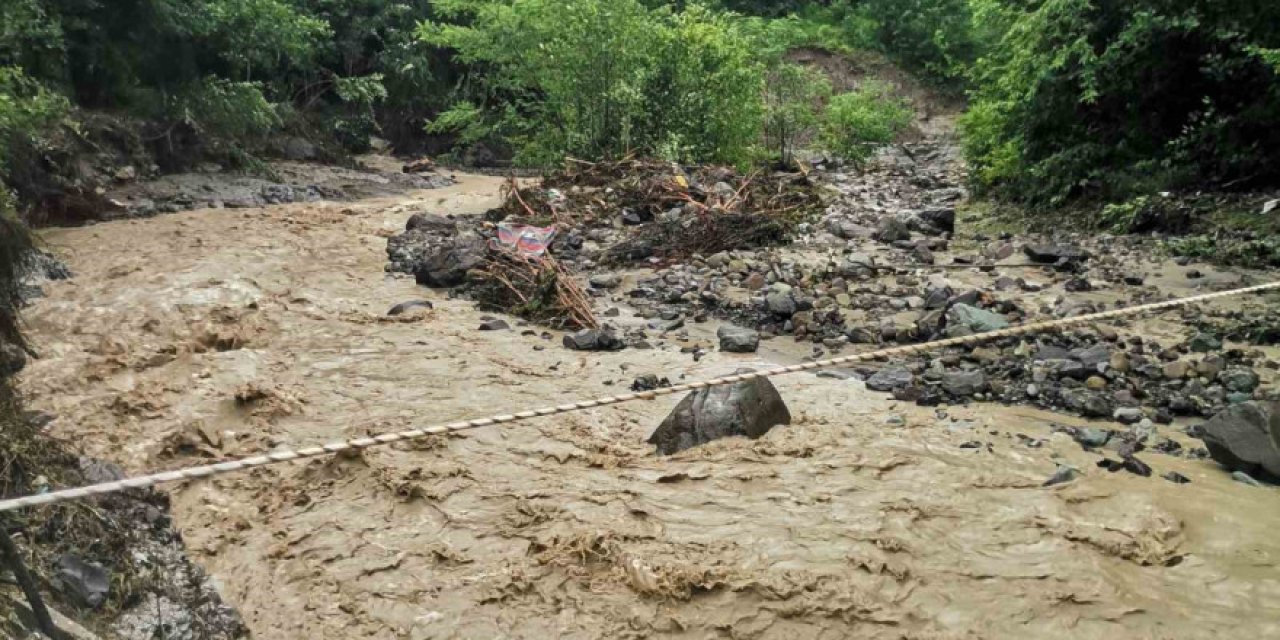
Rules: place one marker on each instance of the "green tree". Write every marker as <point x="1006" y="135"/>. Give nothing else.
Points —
<point x="793" y="97"/>
<point x="857" y="123"/>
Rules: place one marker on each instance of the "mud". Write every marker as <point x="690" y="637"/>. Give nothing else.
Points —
<point x="200" y="335"/>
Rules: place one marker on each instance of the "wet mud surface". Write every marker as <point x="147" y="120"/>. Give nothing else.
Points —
<point x="196" y="336"/>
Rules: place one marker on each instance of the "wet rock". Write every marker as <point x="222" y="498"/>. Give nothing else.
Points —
<point x="649" y="382"/>
<point x="1092" y="438"/>
<point x="1063" y="475"/>
<point x="86" y="583"/>
<point x="943" y="219"/>
<point x="974" y="319"/>
<point x="12" y="359"/>
<point x="1204" y="343"/>
<point x="892" y="230"/>
<point x="494" y="324"/>
<point x="1176" y="478"/>
<point x="1087" y="403"/>
<point x="1239" y="380"/>
<point x="1053" y="254"/>
<point x="923" y="254"/>
<point x="1095" y="383"/>
<point x="780" y="304"/>
<point x="964" y="383"/>
<point x="1244" y="437"/>
<point x="594" y="340"/>
<point x="446" y="264"/>
<point x="432" y="223"/>
<point x="890" y="379"/>
<point x="755" y="282"/>
<point x="1093" y="356"/>
<point x="748" y="409"/>
<point x="1176" y="370"/>
<point x="405" y="307"/>
<point x="1128" y="415"/>
<point x="605" y="280"/>
<point x="1134" y="279"/>
<point x="738" y="339"/>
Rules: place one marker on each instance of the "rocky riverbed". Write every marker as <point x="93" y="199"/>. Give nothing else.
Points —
<point x="1064" y="485"/>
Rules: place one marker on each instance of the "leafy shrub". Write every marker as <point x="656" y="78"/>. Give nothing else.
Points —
<point x="601" y="78"/>
<point x="1084" y="100"/>
<point x="792" y="97"/>
<point x="857" y="123"/>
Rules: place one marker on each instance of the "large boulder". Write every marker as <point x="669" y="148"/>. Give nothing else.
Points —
<point x="1054" y="253"/>
<point x="446" y="264"/>
<point x="892" y="230"/>
<point x="432" y="223"/>
<point x="748" y="409"/>
<point x="1246" y="437"/>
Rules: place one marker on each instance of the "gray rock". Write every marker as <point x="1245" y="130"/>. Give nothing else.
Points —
<point x="1052" y="254"/>
<point x="1063" y="475"/>
<point x="1090" y="404"/>
<point x="748" y="409"/>
<point x="1204" y="343"/>
<point x="405" y="307"/>
<point x="780" y="304"/>
<point x="446" y="264"/>
<point x="975" y="319"/>
<point x="1092" y="438"/>
<point x="594" y="340"/>
<point x="1239" y="379"/>
<point x="964" y="383"/>
<point x="85" y="583"/>
<point x="430" y="222"/>
<point x="1244" y="437"/>
<point x="738" y="339"/>
<point x="494" y="324"/>
<point x="943" y="219"/>
<point x="1128" y="415"/>
<point x="892" y="230"/>
<point x="605" y="280"/>
<point x="1093" y="356"/>
<point x="890" y="379"/>
<point x="1244" y="478"/>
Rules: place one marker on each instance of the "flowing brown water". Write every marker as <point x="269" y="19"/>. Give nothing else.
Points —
<point x="216" y="333"/>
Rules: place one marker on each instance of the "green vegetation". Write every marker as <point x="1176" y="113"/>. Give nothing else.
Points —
<point x="1104" y="101"/>
<point x="857" y="123"/>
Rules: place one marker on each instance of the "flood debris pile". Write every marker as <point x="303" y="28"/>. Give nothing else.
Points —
<point x="524" y="256"/>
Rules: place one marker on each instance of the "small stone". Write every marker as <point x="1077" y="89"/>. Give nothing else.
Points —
<point x="86" y="583"/>
<point x="1176" y="478"/>
<point x="1095" y="383"/>
<point x="494" y="324"/>
<point x="594" y="340"/>
<point x="1063" y="475"/>
<point x="1176" y="370"/>
<point x="754" y="282"/>
<point x="1134" y="279"/>
<point x="780" y="304"/>
<point x="975" y="319"/>
<point x="889" y="379"/>
<point x="1204" y="343"/>
<point x="895" y="420"/>
<point x="1128" y="415"/>
<point x="1120" y="362"/>
<point x="738" y="339"/>
<point x="964" y="383"/>
<point x="1092" y="438"/>
<point x="605" y="280"/>
<point x="1239" y="380"/>
<point x="405" y="307"/>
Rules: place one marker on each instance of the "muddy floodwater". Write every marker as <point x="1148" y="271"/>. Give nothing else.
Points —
<point x="202" y="335"/>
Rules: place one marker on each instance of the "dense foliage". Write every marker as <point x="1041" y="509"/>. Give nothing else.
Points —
<point x="1094" y="99"/>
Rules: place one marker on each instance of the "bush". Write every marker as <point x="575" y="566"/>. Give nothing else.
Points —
<point x="857" y="123"/>
<point x="793" y="95"/>
<point x="602" y="78"/>
<point x="1108" y="101"/>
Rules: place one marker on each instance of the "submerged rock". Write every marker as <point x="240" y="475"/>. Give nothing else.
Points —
<point x="1244" y="438"/>
<point x="405" y="307"/>
<point x="748" y="409"/>
<point x="86" y="583"/>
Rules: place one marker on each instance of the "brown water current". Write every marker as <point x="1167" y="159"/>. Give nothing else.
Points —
<point x="200" y="335"/>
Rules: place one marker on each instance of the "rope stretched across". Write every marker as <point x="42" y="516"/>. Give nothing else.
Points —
<point x="205" y="471"/>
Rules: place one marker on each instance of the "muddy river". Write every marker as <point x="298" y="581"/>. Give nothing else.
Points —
<point x="201" y="335"/>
